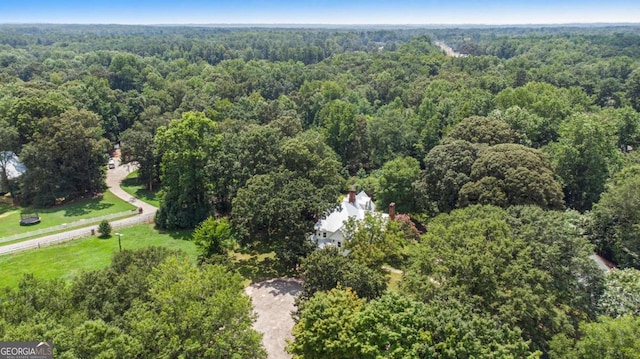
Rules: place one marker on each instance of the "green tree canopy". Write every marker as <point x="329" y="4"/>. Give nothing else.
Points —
<point x="395" y="326"/>
<point x="607" y="338"/>
<point x="328" y="268"/>
<point x="186" y="146"/>
<point x="326" y="326"/>
<point x="213" y="237"/>
<point x="198" y="312"/>
<point x="474" y="255"/>
<point x="584" y="157"/>
<point x="511" y="174"/>
<point x="395" y="184"/>
<point x="338" y="324"/>
<point x="253" y="150"/>
<point x="339" y="121"/>
<point x="616" y="218"/>
<point x="447" y="169"/>
<point x="551" y="103"/>
<point x="125" y="310"/>
<point x="621" y="293"/>
<point x="374" y="240"/>
<point x="529" y="126"/>
<point x="477" y="129"/>
<point x="66" y="159"/>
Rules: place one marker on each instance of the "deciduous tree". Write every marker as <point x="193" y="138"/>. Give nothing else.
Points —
<point x="584" y="157"/>
<point x="471" y="254"/>
<point x="511" y="174"/>
<point x="187" y="145"/>
<point x="621" y="293"/>
<point x="195" y="312"/>
<point x="395" y="181"/>
<point x="371" y="242"/>
<point x="66" y="160"/>
<point x="447" y="169"/>
<point x="326" y="328"/>
<point x="607" y="338"/>
<point x="477" y="129"/>
<point x="328" y="268"/>
<point x="213" y="237"/>
<point x="616" y="218"/>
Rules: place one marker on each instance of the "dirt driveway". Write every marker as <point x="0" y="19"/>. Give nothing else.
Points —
<point x="273" y="303"/>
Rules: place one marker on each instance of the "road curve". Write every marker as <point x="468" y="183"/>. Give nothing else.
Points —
<point x="114" y="178"/>
<point x="448" y="50"/>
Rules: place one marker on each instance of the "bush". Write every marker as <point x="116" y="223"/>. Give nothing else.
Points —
<point x="104" y="228"/>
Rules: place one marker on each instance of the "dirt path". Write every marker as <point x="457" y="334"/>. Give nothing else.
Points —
<point x="273" y="303"/>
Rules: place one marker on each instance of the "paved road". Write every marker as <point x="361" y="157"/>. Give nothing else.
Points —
<point x="114" y="178"/>
<point x="448" y="50"/>
<point x="273" y="303"/>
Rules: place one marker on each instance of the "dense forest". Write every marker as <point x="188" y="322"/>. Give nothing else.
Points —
<point x="509" y="166"/>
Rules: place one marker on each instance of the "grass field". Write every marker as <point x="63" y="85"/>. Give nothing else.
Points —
<point x="86" y="208"/>
<point x="69" y="259"/>
<point x="394" y="280"/>
<point x="132" y="187"/>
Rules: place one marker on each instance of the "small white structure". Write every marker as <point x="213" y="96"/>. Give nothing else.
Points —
<point x="329" y="231"/>
<point x="12" y="167"/>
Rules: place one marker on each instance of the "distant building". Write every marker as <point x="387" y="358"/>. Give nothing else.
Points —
<point x="12" y="167"/>
<point x="329" y="231"/>
<point x="602" y="263"/>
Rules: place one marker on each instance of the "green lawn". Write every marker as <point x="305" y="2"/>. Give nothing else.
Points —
<point x="86" y="208"/>
<point x="134" y="188"/>
<point x="69" y="259"/>
<point x="394" y="280"/>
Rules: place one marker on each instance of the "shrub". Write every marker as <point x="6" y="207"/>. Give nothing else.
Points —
<point x="104" y="228"/>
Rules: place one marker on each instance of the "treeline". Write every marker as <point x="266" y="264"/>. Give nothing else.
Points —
<point x="267" y="136"/>
<point x="209" y="44"/>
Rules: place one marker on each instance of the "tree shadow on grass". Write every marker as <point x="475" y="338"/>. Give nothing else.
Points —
<point x="74" y="208"/>
<point x="282" y="286"/>
<point x="257" y="248"/>
<point x="258" y="270"/>
<point x="130" y="182"/>
<point x="141" y="193"/>
<point x="182" y="234"/>
<point x="86" y="206"/>
<point x="6" y="207"/>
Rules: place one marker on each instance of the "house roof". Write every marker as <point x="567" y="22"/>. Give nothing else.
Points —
<point x="602" y="263"/>
<point x="334" y="221"/>
<point x="13" y="167"/>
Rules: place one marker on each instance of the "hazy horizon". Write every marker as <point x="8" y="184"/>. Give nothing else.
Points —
<point x="321" y="13"/>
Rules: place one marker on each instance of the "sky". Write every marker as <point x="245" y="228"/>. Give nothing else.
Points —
<point x="330" y="12"/>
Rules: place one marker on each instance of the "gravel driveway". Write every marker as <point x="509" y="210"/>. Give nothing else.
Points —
<point x="273" y="303"/>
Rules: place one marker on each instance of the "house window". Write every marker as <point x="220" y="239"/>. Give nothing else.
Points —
<point x="324" y="234"/>
<point x="339" y="244"/>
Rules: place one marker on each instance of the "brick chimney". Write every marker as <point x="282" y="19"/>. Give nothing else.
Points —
<point x="392" y="210"/>
<point x="352" y="196"/>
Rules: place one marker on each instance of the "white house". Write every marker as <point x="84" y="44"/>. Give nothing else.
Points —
<point x="329" y="231"/>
